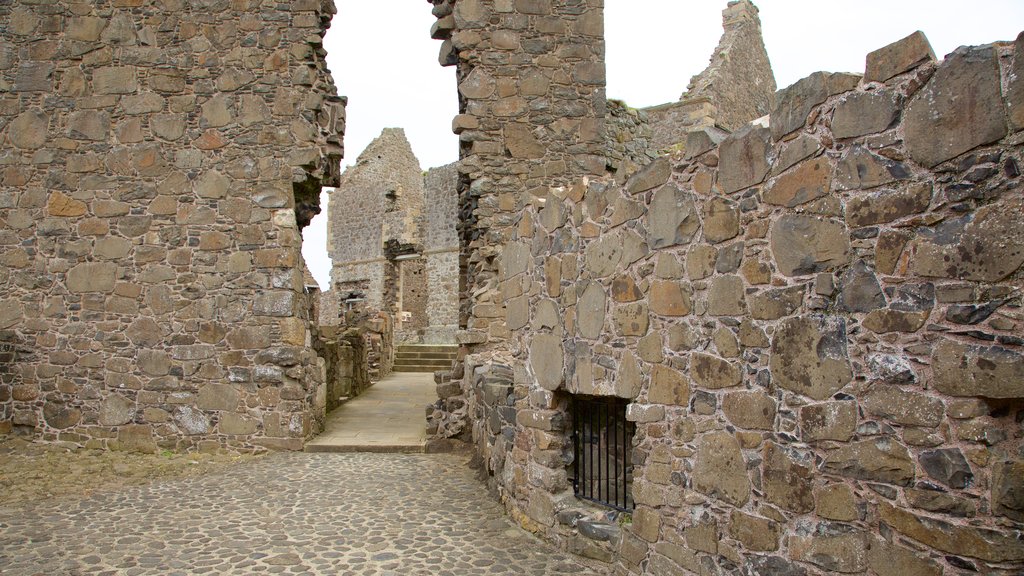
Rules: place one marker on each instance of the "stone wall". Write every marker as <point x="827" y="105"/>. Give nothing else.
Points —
<point x="628" y="139"/>
<point x="158" y="161"/>
<point x="392" y="237"/>
<point x="379" y="199"/>
<point x="441" y="252"/>
<point x="817" y="325"/>
<point x="532" y="102"/>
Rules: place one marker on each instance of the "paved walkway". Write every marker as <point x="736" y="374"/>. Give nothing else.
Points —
<point x="388" y="417"/>
<point x="287" y="513"/>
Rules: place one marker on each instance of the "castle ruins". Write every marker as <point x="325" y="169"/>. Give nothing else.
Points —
<point x="788" y="323"/>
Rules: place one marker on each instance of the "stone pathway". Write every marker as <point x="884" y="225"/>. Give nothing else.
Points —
<point x="387" y="417"/>
<point x="288" y="513"/>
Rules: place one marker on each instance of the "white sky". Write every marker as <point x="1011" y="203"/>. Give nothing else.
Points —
<point x="383" y="59"/>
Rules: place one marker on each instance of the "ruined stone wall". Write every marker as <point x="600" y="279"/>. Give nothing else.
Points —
<point x="817" y="325"/>
<point x="378" y="200"/>
<point x="627" y="139"/>
<point x="159" y="159"/>
<point x="532" y="102"/>
<point x="737" y="86"/>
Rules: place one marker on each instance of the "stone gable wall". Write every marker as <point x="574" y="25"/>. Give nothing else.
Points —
<point x="159" y="159"/>
<point x="817" y="324"/>
<point x="737" y="86"/>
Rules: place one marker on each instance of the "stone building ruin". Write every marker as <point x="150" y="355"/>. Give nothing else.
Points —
<point x="813" y="321"/>
<point x="393" y="242"/>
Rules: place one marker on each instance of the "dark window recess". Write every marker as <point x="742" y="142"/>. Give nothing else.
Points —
<point x="602" y="469"/>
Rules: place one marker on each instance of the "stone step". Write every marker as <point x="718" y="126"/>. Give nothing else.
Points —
<point x="431" y="348"/>
<point x="418" y="368"/>
<point x="435" y="364"/>
<point x="425" y="355"/>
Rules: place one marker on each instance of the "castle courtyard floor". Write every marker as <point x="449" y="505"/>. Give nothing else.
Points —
<point x="286" y="513"/>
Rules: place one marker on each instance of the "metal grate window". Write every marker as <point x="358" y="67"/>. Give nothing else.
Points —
<point x="602" y="470"/>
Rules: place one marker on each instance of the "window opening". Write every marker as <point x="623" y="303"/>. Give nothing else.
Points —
<point x="602" y="468"/>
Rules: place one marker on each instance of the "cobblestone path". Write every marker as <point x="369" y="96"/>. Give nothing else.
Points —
<point x="288" y="513"/>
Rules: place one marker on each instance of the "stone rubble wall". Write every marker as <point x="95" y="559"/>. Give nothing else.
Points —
<point x="818" y="325"/>
<point x="628" y="138"/>
<point x="158" y="162"/>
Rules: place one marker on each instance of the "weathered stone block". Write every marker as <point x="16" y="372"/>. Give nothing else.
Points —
<point x="1015" y="89"/>
<point x="880" y="460"/>
<point x="590" y="311"/>
<point x="28" y="130"/>
<point x="1008" y="489"/>
<point x="668" y="386"/>
<point x="808" y="244"/>
<point x="61" y="416"/>
<point x="985" y="544"/>
<point x="959" y="108"/>
<point x="754" y="410"/>
<point x="984" y="248"/>
<point x="786" y="480"/>
<point x="714" y="373"/>
<point x="719" y="469"/>
<point x="90" y="277"/>
<point x="604" y="255"/>
<point x="828" y="421"/>
<point x="834" y="548"/>
<point x="987" y="372"/>
<point x="643" y="413"/>
<point x="655" y="174"/>
<point x="721" y="220"/>
<point x="114" y="80"/>
<point x="743" y="159"/>
<point x="191" y="421"/>
<point x="116" y="410"/>
<point x="777" y="303"/>
<point x="631" y="319"/>
<point x="947" y="466"/>
<point x="898" y="57"/>
<point x="860" y="169"/>
<point x="887" y="206"/>
<point x="755" y="533"/>
<point x="887" y="559"/>
<point x="836" y="502"/>
<point x="88" y="125"/>
<point x="672" y="218"/>
<point x="864" y="113"/>
<point x="727" y="296"/>
<point x="667" y="298"/>
<point x="904" y="407"/>
<point x="547" y="359"/>
<point x="64" y="206"/>
<point x="810" y="181"/>
<point x="860" y="291"/>
<point x="809" y="356"/>
<point x="237" y="424"/>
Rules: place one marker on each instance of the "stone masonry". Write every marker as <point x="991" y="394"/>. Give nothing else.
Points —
<point x="393" y="241"/>
<point x="817" y="326"/>
<point x="532" y="102"/>
<point x="159" y="160"/>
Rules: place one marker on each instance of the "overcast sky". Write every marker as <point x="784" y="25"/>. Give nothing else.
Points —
<point x="383" y="59"/>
